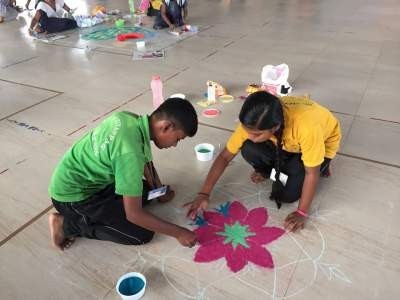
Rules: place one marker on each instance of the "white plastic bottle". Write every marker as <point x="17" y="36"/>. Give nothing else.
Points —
<point x="211" y="92"/>
<point x="157" y="89"/>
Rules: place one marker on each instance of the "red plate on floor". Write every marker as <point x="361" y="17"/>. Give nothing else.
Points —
<point x="211" y="112"/>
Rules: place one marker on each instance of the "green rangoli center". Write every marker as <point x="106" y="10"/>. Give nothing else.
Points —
<point x="236" y="234"/>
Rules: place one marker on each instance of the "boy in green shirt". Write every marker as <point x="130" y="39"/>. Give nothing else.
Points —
<point x="98" y="187"/>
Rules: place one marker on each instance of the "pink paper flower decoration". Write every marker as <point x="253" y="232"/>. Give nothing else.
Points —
<point x="237" y="234"/>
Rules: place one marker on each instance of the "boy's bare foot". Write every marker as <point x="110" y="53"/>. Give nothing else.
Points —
<point x="257" y="177"/>
<point x="58" y="239"/>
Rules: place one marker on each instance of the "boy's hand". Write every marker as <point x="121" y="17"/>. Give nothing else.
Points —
<point x="294" y="222"/>
<point x="187" y="238"/>
<point x="200" y="203"/>
<point x="169" y="195"/>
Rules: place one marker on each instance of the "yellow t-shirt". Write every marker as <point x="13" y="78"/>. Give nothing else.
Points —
<point x="156" y="4"/>
<point x="310" y="129"/>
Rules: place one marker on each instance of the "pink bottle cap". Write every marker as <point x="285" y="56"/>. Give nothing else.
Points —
<point x="155" y="77"/>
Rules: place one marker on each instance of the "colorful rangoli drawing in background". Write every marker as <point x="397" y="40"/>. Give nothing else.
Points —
<point x="112" y="32"/>
<point x="237" y="234"/>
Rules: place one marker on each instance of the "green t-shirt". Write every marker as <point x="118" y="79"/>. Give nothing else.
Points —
<point x="113" y="152"/>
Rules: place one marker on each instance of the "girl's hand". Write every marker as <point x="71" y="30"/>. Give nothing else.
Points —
<point x="198" y="204"/>
<point x="294" y="222"/>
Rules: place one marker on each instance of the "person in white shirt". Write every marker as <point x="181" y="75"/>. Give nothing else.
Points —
<point x="28" y="2"/>
<point x="48" y="17"/>
<point x="173" y="13"/>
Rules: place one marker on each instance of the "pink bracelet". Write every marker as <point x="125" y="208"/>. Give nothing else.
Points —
<point x="302" y="213"/>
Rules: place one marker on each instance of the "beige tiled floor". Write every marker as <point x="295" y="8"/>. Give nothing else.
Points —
<point x="346" y="54"/>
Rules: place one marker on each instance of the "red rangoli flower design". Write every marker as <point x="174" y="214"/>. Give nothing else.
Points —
<point x="237" y="234"/>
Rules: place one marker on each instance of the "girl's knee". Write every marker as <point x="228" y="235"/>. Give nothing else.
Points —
<point x="249" y="150"/>
<point x="290" y="197"/>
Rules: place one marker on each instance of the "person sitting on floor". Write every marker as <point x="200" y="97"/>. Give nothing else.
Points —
<point x="289" y="136"/>
<point x="173" y="13"/>
<point x="104" y="179"/>
<point x="7" y="8"/>
<point x="48" y="17"/>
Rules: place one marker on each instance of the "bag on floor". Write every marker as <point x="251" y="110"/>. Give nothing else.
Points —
<point x="274" y="79"/>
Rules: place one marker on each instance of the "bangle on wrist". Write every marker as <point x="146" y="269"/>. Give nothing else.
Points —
<point x="204" y="194"/>
<point x="302" y="213"/>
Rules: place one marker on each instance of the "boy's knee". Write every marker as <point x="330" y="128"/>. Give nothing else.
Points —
<point x="147" y="238"/>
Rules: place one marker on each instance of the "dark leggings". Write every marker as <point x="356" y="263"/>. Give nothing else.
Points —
<point x="52" y="25"/>
<point x="174" y="14"/>
<point x="102" y="217"/>
<point x="262" y="156"/>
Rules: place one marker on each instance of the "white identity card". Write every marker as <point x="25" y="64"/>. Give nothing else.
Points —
<point x="282" y="177"/>
<point x="157" y="192"/>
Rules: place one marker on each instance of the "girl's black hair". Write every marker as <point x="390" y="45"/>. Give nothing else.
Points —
<point x="262" y="111"/>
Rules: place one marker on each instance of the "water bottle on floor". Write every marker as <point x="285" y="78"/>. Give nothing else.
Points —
<point x="131" y="4"/>
<point x="157" y="89"/>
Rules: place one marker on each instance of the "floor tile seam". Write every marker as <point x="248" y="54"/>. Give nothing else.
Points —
<point x="369" y="160"/>
<point x="30" y="106"/>
<point x="362" y="97"/>
<point x="364" y="116"/>
<point x="26" y="225"/>
<point x="99" y="117"/>
<point x="216" y="127"/>
<point x="178" y="42"/>
<point x="30" y="86"/>
<point x="10" y="165"/>
<point x="314" y="58"/>
<point x="369" y="80"/>
<point x="383" y="120"/>
<point x="37" y="217"/>
<point x="217" y="49"/>
<point x="95" y="48"/>
<point x="338" y="153"/>
<point x="19" y="62"/>
<point x="99" y="50"/>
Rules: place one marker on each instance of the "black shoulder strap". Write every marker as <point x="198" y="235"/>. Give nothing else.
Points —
<point x="36" y="4"/>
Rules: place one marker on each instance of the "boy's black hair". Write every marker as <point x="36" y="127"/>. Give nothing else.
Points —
<point x="179" y="111"/>
<point x="262" y="111"/>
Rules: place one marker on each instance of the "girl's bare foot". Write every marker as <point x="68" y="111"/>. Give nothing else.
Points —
<point x="257" y="177"/>
<point x="58" y="239"/>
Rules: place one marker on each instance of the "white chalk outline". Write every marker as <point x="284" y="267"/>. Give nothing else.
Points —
<point x="331" y="271"/>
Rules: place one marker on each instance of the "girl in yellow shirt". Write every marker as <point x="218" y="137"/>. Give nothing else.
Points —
<point x="293" y="135"/>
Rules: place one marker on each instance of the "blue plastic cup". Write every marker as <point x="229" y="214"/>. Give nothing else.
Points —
<point x="131" y="286"/>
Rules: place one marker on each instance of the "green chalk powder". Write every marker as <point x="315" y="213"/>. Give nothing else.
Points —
<point x="203" y="150"/>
